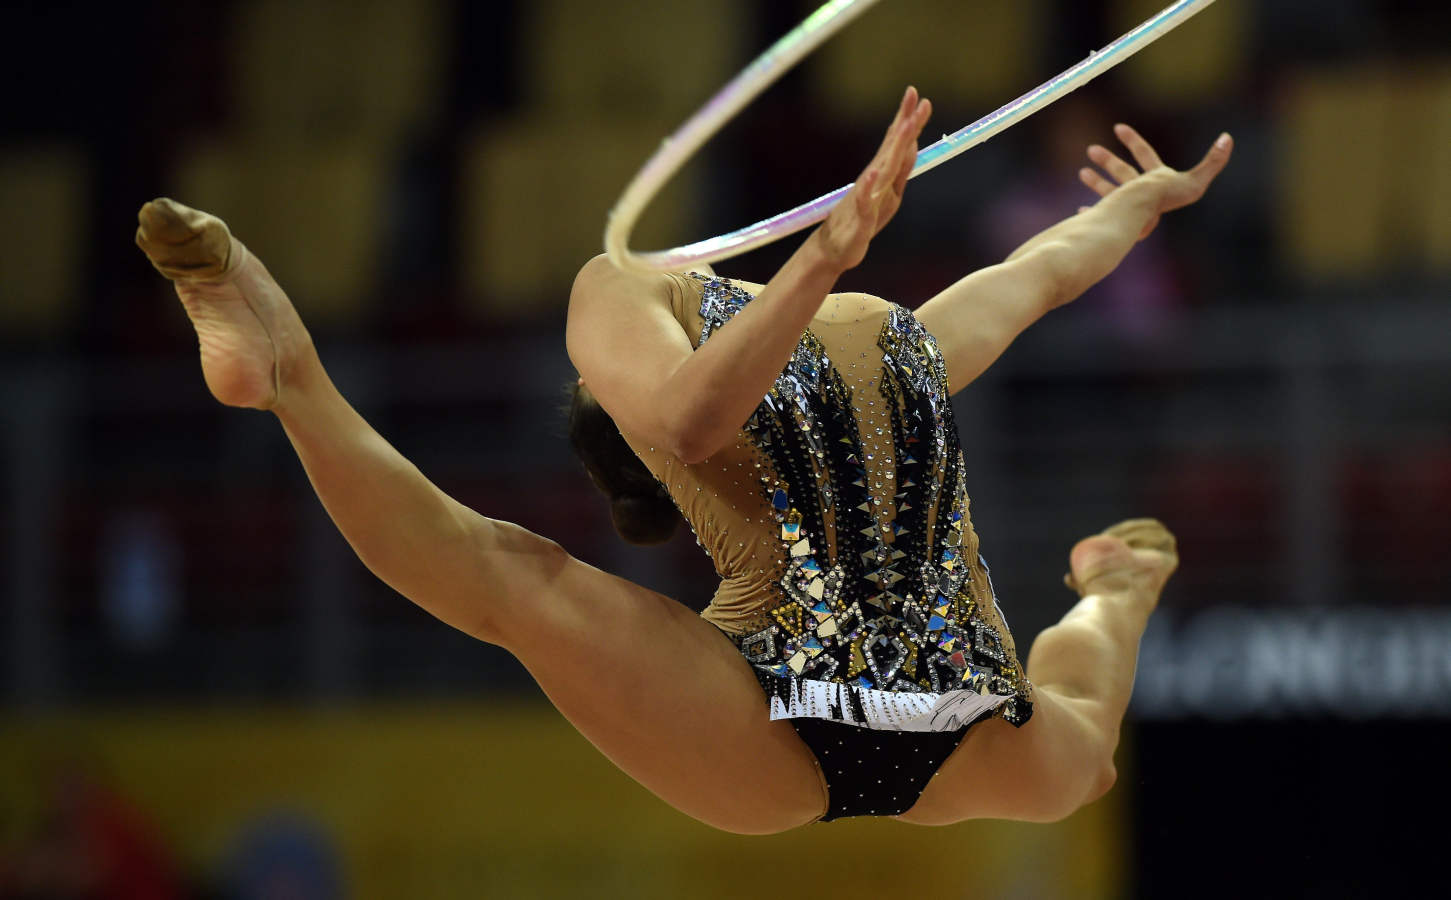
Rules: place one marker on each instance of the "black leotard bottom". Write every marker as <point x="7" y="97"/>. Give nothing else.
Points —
<point x="871" y="772"/>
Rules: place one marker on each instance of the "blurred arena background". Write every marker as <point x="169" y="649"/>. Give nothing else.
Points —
<point x="207" y="696"/>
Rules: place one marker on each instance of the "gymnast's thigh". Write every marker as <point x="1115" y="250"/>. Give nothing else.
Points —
<point x="1040" y="772"/>
<point x="668" y="698"/>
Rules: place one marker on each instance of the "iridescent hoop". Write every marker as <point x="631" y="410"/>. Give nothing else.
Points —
<point x="676" y="149"/>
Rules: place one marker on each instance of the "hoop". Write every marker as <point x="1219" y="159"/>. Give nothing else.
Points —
<point x="676" y="149"/>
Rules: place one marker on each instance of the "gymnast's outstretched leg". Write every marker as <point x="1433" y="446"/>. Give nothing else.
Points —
<point x="658" y="690"/>
<point x="1083" y="673"/>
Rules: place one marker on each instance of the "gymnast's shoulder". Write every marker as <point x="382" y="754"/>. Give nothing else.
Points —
<point x="612" y="307"/>
<point x="599" y="277"/>
<point x="602" y="290"/>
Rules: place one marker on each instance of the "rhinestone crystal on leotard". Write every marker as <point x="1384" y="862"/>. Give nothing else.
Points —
<point x="875" y="621"/>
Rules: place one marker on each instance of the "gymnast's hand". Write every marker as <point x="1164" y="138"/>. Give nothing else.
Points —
<point x="877" y="193"/>
<point x="1174" y="189"/>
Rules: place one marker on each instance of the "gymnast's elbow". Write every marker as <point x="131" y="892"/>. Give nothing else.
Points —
<point x="696" y="434"/>
<point x="692" y="447"/>
<point x="1052" y="275"/>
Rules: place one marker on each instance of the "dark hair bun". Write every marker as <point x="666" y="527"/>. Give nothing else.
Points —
<point x="640" y="507"/>
<point x="644" y="519"/>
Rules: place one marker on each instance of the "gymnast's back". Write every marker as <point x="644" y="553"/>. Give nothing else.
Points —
<point x="838" y="519"/>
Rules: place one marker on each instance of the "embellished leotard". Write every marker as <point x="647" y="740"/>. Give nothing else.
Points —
<point x="838" y="522"/>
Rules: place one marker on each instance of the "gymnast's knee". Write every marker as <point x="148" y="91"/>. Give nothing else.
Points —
<point x="526" y="575"/>
<point x="1102" y="780"/>
<point x="1063" y="782"/>
<point x="1096" y="779"/>
<point x="1064" y="801"/>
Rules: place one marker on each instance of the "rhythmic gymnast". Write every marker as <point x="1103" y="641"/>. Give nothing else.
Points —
<point x="834" y="509"/>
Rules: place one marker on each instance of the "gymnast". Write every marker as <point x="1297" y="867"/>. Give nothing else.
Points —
<point x="854" y="660"/>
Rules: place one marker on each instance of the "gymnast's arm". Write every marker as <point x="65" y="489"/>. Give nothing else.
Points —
<point x="640" y="366"/>
<point x="976" y="319"/>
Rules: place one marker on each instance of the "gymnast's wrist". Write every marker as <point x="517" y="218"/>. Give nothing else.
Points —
<point x="1146" y="193"/>
<point x="1141" y="193"/>
<point x="1134" y="204"/>
<point x="816" y="256"/>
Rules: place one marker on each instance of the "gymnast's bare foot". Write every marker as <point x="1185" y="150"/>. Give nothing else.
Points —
<point x="1135" y="557"/>
<point x="250" y="335"/>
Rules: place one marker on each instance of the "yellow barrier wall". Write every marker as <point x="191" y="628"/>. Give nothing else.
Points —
<point x="496" y="800"/>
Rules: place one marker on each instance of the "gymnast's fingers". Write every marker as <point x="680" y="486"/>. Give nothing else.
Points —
<point x="1096" y="182"/>
<point x="908" y="159"/>
<point x="864" y="192"/>
<point x="1214" y="161"/>
<point x="1144" y="155"/>
<point x="884" y="158"/>
<point x="900" y="144"/>
<point x="1109" y="161"/>
<point x="886" y="208"/>
<point x="900" y="122"/>
<point x="903" y="136"/>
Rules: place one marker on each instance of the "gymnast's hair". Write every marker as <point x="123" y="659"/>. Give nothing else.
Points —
<point x="640" y="507"/>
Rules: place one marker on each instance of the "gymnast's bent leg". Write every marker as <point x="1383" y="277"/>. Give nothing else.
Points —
<point x="1082" y="670"/>
<point x="658" y="690"/>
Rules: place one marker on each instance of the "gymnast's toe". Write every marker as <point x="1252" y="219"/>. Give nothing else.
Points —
<point x="1144" y="534"/>
<point x="181" y="242"/>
